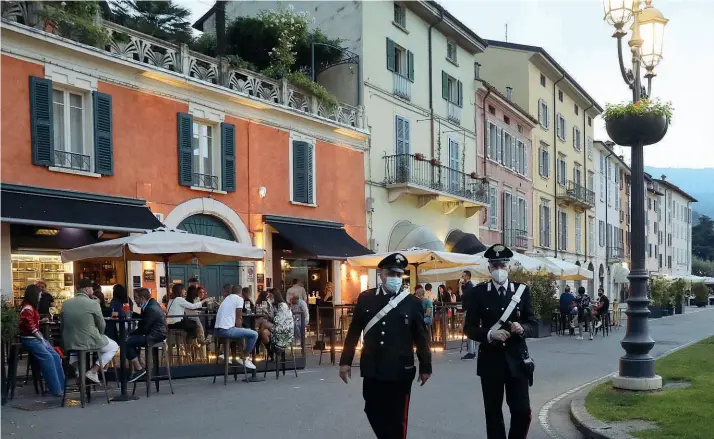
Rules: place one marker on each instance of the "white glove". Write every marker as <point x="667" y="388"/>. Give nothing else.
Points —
<point x="516" y="328"/>
<point x="500" y="335"/>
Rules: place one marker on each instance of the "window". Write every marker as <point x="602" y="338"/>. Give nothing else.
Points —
<point x="590" y="147"/>
<point x="543" y="161"/>
<point x="491" y="141"/>
<point x="68" y="122"/>
<point x="508" y="143"/>
<point x="590" y="121"/>
<point x="649" y="250"/>
<point x="577" y="109"/>
<point x="520" y="129"/>
<point x="506" y="119"/>
<point x="562" y="174"/>
<point x="543" y="114"/>
<point x="542" y="80"/>
<point x="400" y="15"/>
<point x="578" y="237"/>
<point x="492" y="207"/>
<point x="561" y="127"/>
<point x="452" y="89"/>
<point x="601" y="233"/>
<point x="669" y="261"/>
<point x="521" y="165"/>
<point x="303" y="172"/>
<point x="400" y="60"/>
<point x="578" y="174"/>
<point x="451" y="50"/>
<point x="602" y="187"/>
<point x="560" y="95"/>
<point x="403" y="144"/>
<point x="591" y="235"/>
<point x="591" y="180"/>
<point x="576" y="139"/>
<point x="205" y="153"/>
<point x="522" y="218"/>
<point x="454" y="165"/>
<point x="544" y="224"/>
<point x="492" y="109"/>
<point x="562" y="231"/>
<point x="608" y="238"/>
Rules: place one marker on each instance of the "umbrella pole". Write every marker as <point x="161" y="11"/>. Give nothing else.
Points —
<point x="166" y="274"/>
<point x="127" y="278"/>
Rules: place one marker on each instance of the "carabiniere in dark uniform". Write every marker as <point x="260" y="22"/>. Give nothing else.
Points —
<point x="387" y="357"/>
<point x="502" y="364"/>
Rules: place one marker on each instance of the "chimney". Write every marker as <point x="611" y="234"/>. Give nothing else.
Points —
<point x="477" y="73"/>
<point x="509" y="93"/>
<point x="664" y="177"/>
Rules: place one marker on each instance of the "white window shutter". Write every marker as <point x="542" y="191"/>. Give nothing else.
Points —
<point x="499" y="145"/>
<point x="540" y="112"/>
<point x="488" y="141"/>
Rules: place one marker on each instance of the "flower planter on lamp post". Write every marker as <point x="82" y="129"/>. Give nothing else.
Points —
<point x="631" y="130"/>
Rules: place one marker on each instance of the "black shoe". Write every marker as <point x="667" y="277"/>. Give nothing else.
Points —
<point x="136" y="375"/>
<point x="469" y="357"/>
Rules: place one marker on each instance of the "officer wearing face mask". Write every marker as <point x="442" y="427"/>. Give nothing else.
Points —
<point x="393" y="323"/>
<point x="503" y="359"/>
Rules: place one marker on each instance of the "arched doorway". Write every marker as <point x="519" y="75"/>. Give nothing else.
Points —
<point x="591" y="282"/>
<point x="214" y="276"/>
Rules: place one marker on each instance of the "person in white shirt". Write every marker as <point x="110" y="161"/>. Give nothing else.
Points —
<point x="229" y="324"/>
<point x="297" y="289"/>
<point x="176" y="309"/>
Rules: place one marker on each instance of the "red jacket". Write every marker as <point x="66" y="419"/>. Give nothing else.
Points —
<point x="29" y="320"/>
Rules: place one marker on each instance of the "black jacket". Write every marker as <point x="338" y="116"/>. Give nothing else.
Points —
<point x="484" y="310"/>
<point x="153" y="322"/>
<point x="388" y="347"/>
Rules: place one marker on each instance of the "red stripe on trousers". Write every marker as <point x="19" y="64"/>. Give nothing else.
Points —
<point x="406" y="415"/>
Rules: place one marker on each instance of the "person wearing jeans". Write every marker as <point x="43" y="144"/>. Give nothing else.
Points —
<point x="229" y="324"/>
<point x="32" y="339"/>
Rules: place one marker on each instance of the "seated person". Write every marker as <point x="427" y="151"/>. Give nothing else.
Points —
<point x="150" y="330"/>
<point x="301" y="314"/>
<point x="279" y="332"/>
<point x="603" y="306"/>
<point x="176" y="309"/>
<point x="40" y="349"/>
<point x="229" y="324"/>
<point x="99" y="298"/>
<point x="196" y="295"/>
<point x="83" y="328"/>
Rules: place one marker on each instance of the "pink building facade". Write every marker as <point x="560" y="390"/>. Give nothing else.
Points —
<point x="505" y="158"/>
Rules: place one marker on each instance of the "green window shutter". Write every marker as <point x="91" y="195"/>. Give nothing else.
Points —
<point x="391" y="61"/>
<point x="410" y="65"/>
<point x="310" y="175"/>
<point x="300" y="152"/>
<point x="185" y="149"/>
<point x="41" y="121"/>
<point x="103" y="143"/>
<point x="461" y="93"/>
<point x="228" y="156"/>
<point x="444" y="85"/>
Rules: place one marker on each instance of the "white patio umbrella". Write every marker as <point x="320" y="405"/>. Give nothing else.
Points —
<point x="420" y="258"/>
<point x="566" y="270"/>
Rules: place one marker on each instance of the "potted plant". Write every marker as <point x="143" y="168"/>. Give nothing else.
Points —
<point x="419" y="156"/>
<point x="434" y="162"/>
<point x="677" y="289"/>
<point x="701" y="294"/>
<point x="659" y="289"/>
<point x="644" y="122"/>
<point x="474" y="175"/>
<point x="542" y="288"/>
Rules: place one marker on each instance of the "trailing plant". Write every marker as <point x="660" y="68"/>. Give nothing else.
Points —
<point x="542" y="288"/>
<point x="701" y="292"/>
<point x="301" y="80"/>
<point x="639" y="108"/>
<point x="10" y="321"/>
<point x="76" y="20"/>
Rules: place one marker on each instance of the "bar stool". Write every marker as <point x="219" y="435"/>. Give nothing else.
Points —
<point x="331" y="333"/>
<point x="605" y="327"/>
<point x="176" y="338"/>
<point x="16" y="351"/>
<point x="82" y="356"/>
<point x="279" y="357"/>
<point x="226" y="343"/>
<point x="152" y="360"/>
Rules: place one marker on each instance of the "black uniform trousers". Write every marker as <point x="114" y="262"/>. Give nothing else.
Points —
<point x="517" y="398"/>
<point x="386" y="404"/>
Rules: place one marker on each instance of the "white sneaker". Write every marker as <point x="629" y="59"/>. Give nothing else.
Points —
<point x="579" y="337"/>
<point x="92" y="376"/>
<point x="249" y="364"/>
<point x="598" y="324"/>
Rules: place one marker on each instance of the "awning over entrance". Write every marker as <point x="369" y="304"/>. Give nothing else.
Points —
<point x="406" y="235"/>
<point x="322" y="239"/>
<point x="54" y="208"/>
<point x="462" y="242"/>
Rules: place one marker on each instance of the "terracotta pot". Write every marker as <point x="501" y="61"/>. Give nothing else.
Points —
<point x="50" y="26"/>
<point x="629" y="130"/>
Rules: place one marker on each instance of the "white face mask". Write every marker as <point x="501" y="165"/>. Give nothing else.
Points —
<point x="499" y="275"/>
<point x="393" y="284"/>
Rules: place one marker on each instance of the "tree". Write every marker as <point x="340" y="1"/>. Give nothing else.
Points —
<point x="700" y="267"/>
<point x="161" y="19"/>
<point x="703" y="239"/>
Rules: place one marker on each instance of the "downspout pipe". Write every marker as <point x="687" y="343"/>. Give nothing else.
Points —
<point x="585" y="177"/>
<point x="555" y="158"/>
<point x="431" y="82"/>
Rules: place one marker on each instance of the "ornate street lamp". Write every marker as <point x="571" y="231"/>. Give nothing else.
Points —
<point x="637" y="367"/>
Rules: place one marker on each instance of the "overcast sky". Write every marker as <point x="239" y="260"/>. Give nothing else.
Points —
<point x="573" y="32"/>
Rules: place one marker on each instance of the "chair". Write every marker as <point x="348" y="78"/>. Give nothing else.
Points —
<point x="82" y="356"/>
<point x="152" y="360"/>
<point x="226" y="343"/>
<point x="279" y="357"/>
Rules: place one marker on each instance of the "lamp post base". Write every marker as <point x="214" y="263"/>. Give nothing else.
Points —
<point x="637" y="384"/>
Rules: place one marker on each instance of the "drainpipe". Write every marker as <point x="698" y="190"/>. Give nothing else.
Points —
<point x="555" y="157"/>
<point x="431" y="82"/>
<point x="585" y="167"/>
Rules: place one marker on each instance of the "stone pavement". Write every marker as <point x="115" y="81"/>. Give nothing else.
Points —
<point x="318" y="405"/>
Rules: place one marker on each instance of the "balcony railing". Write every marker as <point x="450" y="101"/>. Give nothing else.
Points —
<point x="205" y="181"/>
<point x="453" y="112"/>
<point x="408" y="170"/>
<point x="72" y="160"/>
<point x="515" y="238"/>
<point x="402" y="86"/>
<point x="578" y="194"/>
<point x="615" y="253"/>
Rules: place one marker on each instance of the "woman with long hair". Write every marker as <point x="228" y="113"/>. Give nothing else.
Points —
<point x="193" y="295"/>
<point x="176" y="309"/>
<point x="280" y="332"/>
<point x="41" y="349"/>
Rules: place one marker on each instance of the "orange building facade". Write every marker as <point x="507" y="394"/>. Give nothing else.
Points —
<point x="92" y="140"/>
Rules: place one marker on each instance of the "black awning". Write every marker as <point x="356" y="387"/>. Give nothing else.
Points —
<point x="54" y="208"/>
<point x="321" y="239"/>
<point x="465" y="243"/>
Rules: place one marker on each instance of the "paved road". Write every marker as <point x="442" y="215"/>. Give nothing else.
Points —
<point x="317" y="405"/>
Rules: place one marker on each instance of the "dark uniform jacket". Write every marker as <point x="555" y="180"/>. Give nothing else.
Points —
<point x="483" y="311"/>
<point x="388" y="347"/>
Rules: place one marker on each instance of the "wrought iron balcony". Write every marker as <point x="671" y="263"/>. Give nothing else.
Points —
<point x="453" y="112"/>
<point x="577" y="194"/>
<point x="430" y="181"/>
<point x="615" y="254"/>
<point x="205" y="181"/>
<point x="402" y="86"/>
<point x="515" y="238"/>
<point x="72" y="160"/>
